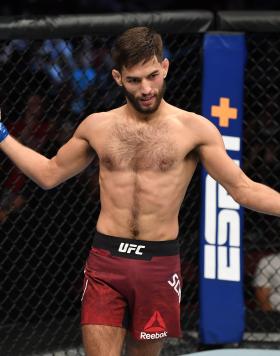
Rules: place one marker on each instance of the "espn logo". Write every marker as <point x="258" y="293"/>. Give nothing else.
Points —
<point x="222" y="228"/>
<point x="131" y="248"/>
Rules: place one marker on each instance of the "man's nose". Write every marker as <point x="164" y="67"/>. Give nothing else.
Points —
<point x="146" y="87"/>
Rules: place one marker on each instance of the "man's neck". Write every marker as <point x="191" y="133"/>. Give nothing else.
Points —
<point x="145" y="117"/>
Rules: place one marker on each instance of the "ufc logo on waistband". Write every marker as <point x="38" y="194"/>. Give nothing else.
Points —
<point x="128" y="248"/>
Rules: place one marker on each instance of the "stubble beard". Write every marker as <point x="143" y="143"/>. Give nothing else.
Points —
<point x="135" y="102"/>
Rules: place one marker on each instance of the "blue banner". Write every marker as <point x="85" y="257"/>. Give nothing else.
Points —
<point x="221" y="227"/>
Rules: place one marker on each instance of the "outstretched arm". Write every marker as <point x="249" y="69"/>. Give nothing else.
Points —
<point x="221" y="167"/>
<point x="71" y="158"/>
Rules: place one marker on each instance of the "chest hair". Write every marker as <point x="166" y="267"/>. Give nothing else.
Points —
<point x="139" y="147"/>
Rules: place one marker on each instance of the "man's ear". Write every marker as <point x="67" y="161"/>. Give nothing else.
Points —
<point x="165" y="66"/>
<point x="117" y="76"/>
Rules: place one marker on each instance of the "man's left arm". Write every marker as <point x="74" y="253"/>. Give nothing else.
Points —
<point x="221" y="167"/>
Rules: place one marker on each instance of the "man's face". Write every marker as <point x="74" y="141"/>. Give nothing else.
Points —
<point x="145" y="104"/>
<point x="144" y="86"/>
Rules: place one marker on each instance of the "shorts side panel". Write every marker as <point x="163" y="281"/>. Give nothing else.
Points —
<point x="102" y="304"/>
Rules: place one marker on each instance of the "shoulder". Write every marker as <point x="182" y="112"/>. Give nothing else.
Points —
<point x="98" y="119"/>
<point x="199" y="127"/>
<point x="266" y="261"/>
<point x="190" y="119"/>
<point x="96" y="122"/>
<point x="275" y="260"/>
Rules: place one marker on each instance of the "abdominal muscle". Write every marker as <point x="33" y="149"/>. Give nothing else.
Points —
<point x="142" y="205"/>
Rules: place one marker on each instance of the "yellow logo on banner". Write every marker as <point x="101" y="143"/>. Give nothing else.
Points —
<point x="224" y="112"/>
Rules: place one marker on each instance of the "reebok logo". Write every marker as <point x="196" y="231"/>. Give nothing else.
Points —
<point x="155" y="328"/>
<point x="156" y="323"/>
<point x="128" y="248"/>
<point x="152" y="336"/>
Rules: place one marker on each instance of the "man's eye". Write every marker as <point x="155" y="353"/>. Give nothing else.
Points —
<point x="154" y="75"/>
<point x="133" y="81"/>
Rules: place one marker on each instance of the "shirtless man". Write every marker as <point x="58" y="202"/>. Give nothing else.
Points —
<point x="148" y="152"/>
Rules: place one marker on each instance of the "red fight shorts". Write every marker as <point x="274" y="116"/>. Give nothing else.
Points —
<point x="133" y="284"/>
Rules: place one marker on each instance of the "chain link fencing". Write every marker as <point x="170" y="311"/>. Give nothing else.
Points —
<point x="47" y="87"/>
<point x="261" y="163"/>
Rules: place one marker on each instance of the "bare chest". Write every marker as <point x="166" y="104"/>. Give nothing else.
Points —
<point x="139" y="148"/>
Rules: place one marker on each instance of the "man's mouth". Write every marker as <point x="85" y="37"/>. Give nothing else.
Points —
<point x="147" y="100"/>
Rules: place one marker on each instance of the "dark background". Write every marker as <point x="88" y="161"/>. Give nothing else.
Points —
<point x="49" y="7"/>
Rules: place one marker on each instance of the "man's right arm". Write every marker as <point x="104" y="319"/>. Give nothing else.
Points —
<point x="71" y="159"/>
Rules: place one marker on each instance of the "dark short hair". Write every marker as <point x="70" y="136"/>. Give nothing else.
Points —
<point x="136" y="45"/>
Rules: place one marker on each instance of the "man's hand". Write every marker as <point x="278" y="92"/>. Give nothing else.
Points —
<point x="262" y="295"/>
<point x="3" y="130"/>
